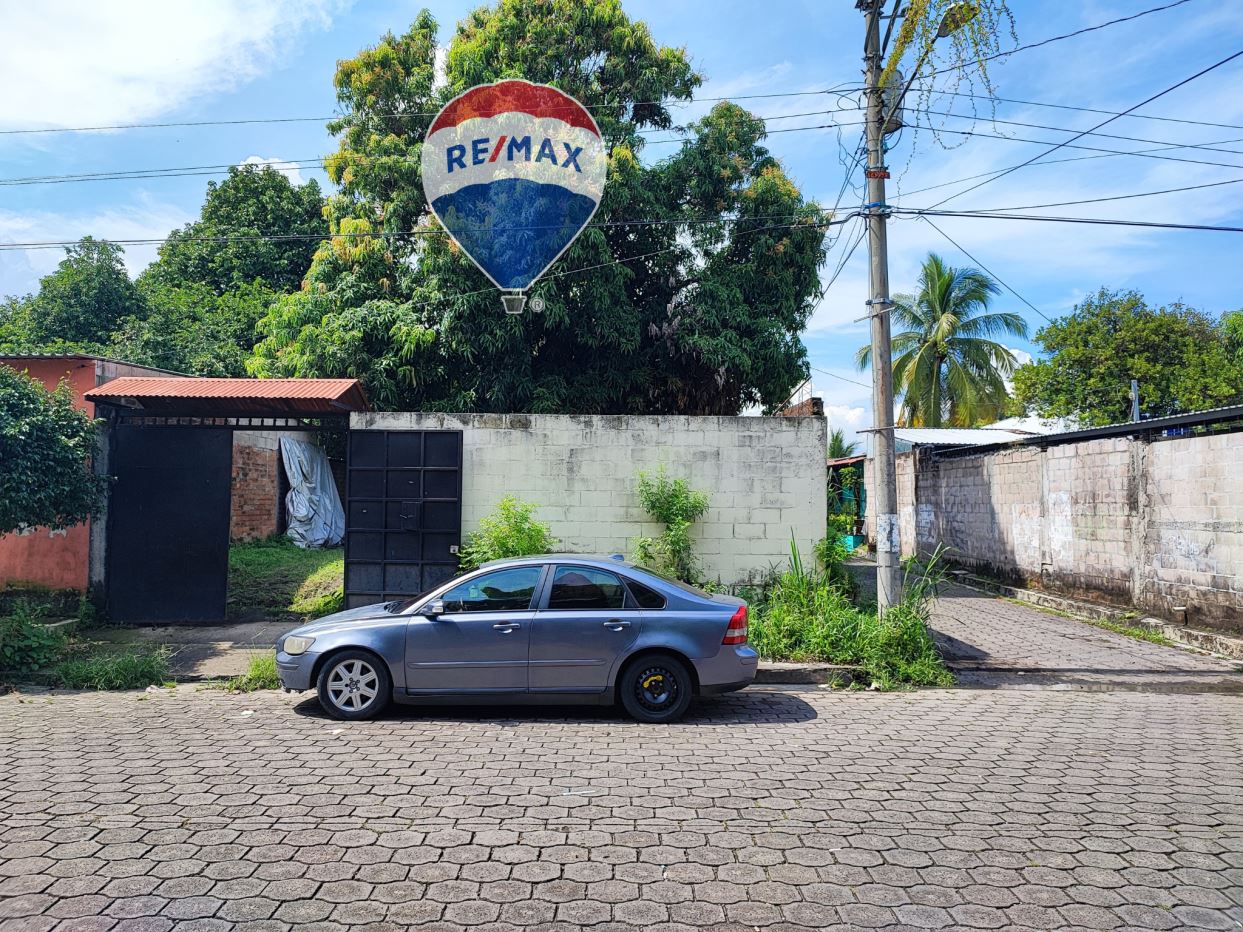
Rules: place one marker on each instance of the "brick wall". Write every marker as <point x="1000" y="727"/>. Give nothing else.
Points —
<point x="1155" y="524"/>
<point x="256" y="483"/>
<point x="766" y="478"/>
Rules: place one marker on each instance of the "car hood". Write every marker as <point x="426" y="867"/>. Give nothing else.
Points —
<point x="347" y="619"/>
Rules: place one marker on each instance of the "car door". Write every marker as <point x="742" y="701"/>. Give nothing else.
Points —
<point x="480" y="643"/>
<point x="586" y="621"/>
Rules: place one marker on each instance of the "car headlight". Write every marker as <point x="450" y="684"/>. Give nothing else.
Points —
<point x="297" y="645"/>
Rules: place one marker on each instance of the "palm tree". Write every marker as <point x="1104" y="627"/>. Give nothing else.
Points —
<point x="838" y="447"/>
<point x="944" y="366"/>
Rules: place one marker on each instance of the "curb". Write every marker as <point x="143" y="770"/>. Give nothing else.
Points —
<point x="1197" y="638"/>
<point x="808" y="674"/>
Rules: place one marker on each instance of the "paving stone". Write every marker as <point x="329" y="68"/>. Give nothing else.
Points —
<point x="1020" y="808"/>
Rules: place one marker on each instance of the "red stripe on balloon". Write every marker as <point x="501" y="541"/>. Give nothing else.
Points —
<point x="538" y="100"/>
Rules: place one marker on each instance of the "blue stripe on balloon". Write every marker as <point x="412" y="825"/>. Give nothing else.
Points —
<point x="513" y="227"/>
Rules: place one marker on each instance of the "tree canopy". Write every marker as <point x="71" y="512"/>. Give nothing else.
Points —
<point x="945" y="366"/>
<point x="77" y="306"/>
<point x="45" y="450"/>
<point x="229" y="246"/>
<point x="686" y="294"/>
<point x="1184" y="359"/>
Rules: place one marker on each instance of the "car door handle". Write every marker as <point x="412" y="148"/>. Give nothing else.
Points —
<point x="616" y="625"/>
<point x="506" y="627"/>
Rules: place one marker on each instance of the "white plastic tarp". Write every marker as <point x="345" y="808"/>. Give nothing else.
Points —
<point x="316" y="518"/>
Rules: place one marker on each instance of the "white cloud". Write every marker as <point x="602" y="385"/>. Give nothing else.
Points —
<point x="85" y="63"/>
<point x="289" y="169"/>
<point x="140" y="218"/>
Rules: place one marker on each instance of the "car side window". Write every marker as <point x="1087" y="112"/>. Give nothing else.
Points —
<point x="645" y="597"/>
<point x="504" y="590"/>
<point x="584" y="589"/>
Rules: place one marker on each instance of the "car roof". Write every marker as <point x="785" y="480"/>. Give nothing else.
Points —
<point x="607" y="561"/>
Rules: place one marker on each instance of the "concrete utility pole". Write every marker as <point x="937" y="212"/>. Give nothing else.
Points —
<point x="885" y="495"/>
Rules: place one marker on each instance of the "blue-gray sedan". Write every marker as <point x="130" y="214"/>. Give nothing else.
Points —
<point x="557" y="628"/>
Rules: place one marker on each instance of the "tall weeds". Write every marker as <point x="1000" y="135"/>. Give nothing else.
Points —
<point x="806" y="615"/>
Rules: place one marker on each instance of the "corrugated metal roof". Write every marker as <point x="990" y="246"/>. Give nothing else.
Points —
<point x="846" y="460"/>
<point x="202" y="396"/>
<point x="955" y="436"/>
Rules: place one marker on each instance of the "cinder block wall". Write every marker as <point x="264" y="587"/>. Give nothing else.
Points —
<point x="765" y="476"/>
<point x="1151" y="524"/>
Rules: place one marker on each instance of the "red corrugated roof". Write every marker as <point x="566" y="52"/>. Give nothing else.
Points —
<point x="233" y="396"/>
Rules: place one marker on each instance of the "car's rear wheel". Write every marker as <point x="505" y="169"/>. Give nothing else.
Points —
<point x="355" y="685"/>
<point x="656" y="688"/>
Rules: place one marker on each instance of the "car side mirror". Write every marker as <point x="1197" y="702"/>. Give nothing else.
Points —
<point x="433" y="609"/>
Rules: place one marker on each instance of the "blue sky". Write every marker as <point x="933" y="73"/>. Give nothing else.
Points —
<point x="74" y="64"/>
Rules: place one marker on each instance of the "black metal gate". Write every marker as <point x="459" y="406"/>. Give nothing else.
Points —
<point x="168" y="523"/>
<point x="403" y="512"/>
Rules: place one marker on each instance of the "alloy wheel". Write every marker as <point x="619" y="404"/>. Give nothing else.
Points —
<point x="353" y="685"/>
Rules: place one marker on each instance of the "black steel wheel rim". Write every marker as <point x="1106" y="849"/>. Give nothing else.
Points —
<point x="656" y="688"/>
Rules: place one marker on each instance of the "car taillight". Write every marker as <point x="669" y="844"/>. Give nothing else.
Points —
<point x="736" y="633"/>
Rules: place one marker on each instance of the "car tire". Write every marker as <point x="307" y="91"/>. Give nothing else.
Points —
<point x="656" y="688"/>
<point x="355" y="685"/>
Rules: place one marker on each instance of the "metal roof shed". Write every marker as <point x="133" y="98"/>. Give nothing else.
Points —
<point x="161" y="552"/>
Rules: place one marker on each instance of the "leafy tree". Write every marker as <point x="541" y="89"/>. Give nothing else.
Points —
<point x="226" y="247"/>
<point x="78" y="305"/>
<point x="192" y="329"/>
<point x="839" y="448"/>
<point x="1184" y="359"/>
<point x="697" y="312"/>
<point x="944" y="365"/>
<point x="45" y="451"/>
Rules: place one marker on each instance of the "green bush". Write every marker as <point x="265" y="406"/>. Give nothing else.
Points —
<point x="808" y="617"/>
<point x="674" y="503"/>
<point x="26" y="645"/>
<point x="841" y="525"/>
<point x="261" y="674"/>
<point x="131" y="669"/>
<point x="510" y="531"/>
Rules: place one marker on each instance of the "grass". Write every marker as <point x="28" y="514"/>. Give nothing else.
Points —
<point x="805" y="616"/>
<point x="261" y="674"/>
<point x="274" y="579"/>
<point x="131" y="669"/>
<point x="1138" y="632"/>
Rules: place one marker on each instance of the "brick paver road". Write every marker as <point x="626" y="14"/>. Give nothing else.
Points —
<point x="999" y="808"/>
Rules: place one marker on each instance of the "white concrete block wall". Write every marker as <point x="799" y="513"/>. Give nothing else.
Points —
<point x="1156" y="524"/>
<point x="765" y="478"/>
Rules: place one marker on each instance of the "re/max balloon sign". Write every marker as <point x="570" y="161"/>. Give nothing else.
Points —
<point x="514" y="171"/>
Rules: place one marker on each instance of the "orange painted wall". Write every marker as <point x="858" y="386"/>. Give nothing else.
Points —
<point x="57" y="559"/>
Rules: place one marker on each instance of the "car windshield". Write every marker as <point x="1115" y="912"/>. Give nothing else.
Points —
<point x="673" y="581"/>
<point x="401" y="606"/>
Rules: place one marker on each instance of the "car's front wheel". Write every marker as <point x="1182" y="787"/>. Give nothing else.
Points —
<point x="656" y="688"/>
<point x="355" y="685"/>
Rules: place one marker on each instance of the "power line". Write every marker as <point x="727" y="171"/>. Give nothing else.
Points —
<point x="1060" y="145"/>
<point x="399" y="234"/>
<point x="928" y="220"/>
<point x="836" y="376"/>
<point x="1078" y="158"/>
<point x="396" y="115"/>
<point x="1121" y="197"/>
<point x="1052" y="39"/>
<point x="1094" y="221"/>
<point x="1141" y="153"/>
<point x="1201" y="146"/>
<point x="1133" y="116"/>
<point x="146" y="174"/>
